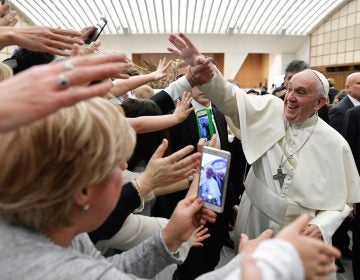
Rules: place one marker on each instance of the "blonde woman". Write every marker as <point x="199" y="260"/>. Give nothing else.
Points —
<point x="59" y="182"/>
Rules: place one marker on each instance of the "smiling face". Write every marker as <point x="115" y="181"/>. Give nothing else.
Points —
<point x="303" y="99"/>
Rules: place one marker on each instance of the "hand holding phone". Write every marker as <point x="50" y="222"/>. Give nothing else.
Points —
<point x="99" y="27"/>
<point x="214" y="172"/>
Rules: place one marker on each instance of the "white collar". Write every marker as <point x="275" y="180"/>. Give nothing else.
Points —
<point x="354" y="101"/>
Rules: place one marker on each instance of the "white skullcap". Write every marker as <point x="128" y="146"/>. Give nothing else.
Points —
<point x="323" y="80"/>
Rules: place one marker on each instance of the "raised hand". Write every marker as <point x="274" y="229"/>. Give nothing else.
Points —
<point x="201" y="70"/>
<point x="42" y="90"/>
<point x="7" y="16"/>
<point x="186" y="49"/>
<point x="43" y="39"/>
<point x="161" y="69"/>
<point x="182" y="109"/>
<point x="162" y="171"/>
<point x="187" y="216"/>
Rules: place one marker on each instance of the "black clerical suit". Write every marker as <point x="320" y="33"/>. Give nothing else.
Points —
<point x="337" y="114"/>
<point x="201" y="259"/>
<point x="351" y="132"/>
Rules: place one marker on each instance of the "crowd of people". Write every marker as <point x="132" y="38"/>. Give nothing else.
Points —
<point x="100" y="175"/>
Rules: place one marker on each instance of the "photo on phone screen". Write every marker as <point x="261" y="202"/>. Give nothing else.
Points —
<point x="205" y="124"/>
<point x="214" y="171"/>
<point x="100" y="25"/>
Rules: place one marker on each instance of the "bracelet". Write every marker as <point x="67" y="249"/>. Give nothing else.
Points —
<point x="136" y="185"/>
<point x="176" y="253"/>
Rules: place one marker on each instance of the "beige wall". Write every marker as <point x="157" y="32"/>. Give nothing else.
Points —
<point x="337" y="41"/>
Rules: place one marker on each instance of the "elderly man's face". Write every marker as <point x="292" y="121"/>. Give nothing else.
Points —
<point x="302" y="98"/>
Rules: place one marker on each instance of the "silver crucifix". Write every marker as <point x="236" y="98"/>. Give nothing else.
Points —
<point x="280" y="176"/>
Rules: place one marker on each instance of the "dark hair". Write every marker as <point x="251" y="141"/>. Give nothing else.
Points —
<point x="252" y="91"/>
<point x="131" y="72"/>
<point x="297" y="66"/>
<point x="23" y="59"/>
<point x="146" y="143"/>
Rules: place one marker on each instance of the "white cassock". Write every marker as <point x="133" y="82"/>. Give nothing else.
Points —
<point x="321" y="176"/>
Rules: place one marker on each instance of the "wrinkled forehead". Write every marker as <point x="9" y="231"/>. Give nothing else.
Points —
<point x="304" y="79"/>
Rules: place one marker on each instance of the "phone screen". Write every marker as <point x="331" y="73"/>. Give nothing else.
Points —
<point x="213" y="178"/>
<point x="205" y="124"/>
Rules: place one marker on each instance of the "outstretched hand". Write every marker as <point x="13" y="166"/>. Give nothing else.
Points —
<point x="186" y="49"/>
<point x="186" y="218"/>
<point x="200" y="70"/>
<point x="182" y="109"/>
<point x="43" y="39"/>
<point x="161" y="69"/>
<point x="163" y="171"/>
<point x="42" y="90"/>
<point x="7" y="16"/>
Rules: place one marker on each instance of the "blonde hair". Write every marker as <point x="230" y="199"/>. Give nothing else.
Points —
<point x="143" y="92"/>
<point x="5" y="71"/>
<point x="46" y="163"/>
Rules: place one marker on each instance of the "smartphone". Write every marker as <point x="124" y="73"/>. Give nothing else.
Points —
<point x="99" y="27"/>
<point x="214" y="173"/>
<point x="205" y="124"/>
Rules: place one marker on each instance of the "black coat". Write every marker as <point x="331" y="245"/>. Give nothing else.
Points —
<point x="337" y="113"/>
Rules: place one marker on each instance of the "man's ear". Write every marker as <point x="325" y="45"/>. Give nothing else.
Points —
<point x="83" y="197"/>
<point x="321" y="102"/>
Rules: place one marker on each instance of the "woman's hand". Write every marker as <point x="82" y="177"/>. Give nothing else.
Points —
<point x="42" y="90"/>
<point x="182" y="109"/>
<point x="161" y="70"/>
<point x="186" y="218"/>
<point x="7" y="16"/>
<point x="162" y="171"/>
<point x="42" y="39"/>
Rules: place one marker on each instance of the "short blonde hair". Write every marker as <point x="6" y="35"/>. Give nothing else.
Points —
<point x="46" y="163"/>
<point x="143" y="92"/>
<point x="5" y="71"/>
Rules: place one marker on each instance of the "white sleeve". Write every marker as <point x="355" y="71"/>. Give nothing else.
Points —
<point x="177" y="88"/>
<point x="136" y="228"/>
<point x="276" y="260"/>
<point x="329" y="221"/>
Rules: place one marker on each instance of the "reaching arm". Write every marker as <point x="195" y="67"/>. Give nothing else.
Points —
<point x="7" y="16"/>
<point x="123" y="86"/>
<point x="39" y="38"/>
<point x="23" y="101"/>
<point x="147" y="124"/>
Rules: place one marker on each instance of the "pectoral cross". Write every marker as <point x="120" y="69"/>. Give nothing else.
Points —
<point x="280" y="176"/>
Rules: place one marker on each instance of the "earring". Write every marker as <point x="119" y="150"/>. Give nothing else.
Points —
<point x="86" y="207"/>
